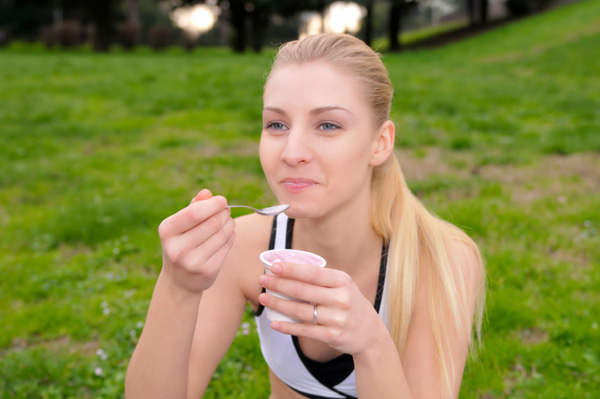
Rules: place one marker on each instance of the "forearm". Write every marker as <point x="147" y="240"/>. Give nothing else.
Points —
<point x="379" y="372"/>
<point x="159" y="365"/>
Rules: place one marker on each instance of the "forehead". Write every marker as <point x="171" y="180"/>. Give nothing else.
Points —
<point x="313" y="84"/>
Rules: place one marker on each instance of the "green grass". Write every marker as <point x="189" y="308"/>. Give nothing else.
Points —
<point x="499" y="134"/>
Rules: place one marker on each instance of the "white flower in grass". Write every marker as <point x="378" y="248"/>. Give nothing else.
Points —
<point x="101" y="353"/>
<point x="98" y="371"/>
<point x="245" y="328"/>
<point x="139" y="324"/>
<point x="106" y="311"/>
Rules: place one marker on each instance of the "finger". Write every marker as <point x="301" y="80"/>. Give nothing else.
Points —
<point x="202" y="232"/>
<point x="317" y="332"/>
<point x="328" y="316"/>
<point x="300" y="290"/>
<point x="191" y="216"/>
<point x="201" y="254"/>
<point x="202" y="195"/>
<point x="215" y="261"/>
<point x="311" y="274"/>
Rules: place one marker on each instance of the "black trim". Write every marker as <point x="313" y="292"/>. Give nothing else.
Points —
<point x="311" y="396"/>
<point x="289" y="233"/>
<point x="381" y="279"/>
<point x="273" y="233"/>
<point x="329" y="373"/>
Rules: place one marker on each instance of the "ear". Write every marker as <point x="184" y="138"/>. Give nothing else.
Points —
<point x="384" y="143"/>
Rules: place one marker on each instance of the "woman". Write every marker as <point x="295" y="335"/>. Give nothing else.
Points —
<point x="392" y="313"/>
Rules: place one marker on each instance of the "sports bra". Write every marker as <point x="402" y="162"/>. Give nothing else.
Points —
<point x="282" y="352"/>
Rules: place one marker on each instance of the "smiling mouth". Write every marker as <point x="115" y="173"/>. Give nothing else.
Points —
<point x="297" y="185"/>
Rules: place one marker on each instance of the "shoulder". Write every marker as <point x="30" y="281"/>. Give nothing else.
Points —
<point x="463" y="257"/>
<point x="455" y="276"/>
<point x="252" y="232"/>
<point x="465" y="261"/>
<point x="243" y="264"/>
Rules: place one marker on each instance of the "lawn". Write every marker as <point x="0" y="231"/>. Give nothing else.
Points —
<point x="499" y="134"/>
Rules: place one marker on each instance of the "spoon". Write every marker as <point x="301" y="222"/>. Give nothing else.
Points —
<point x="269" y="211"/>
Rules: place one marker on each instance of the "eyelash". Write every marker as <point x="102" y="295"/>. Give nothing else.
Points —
<point x="333" y="126"/>
<point x="270" y="125"/>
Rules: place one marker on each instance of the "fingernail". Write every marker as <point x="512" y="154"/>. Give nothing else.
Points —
<point x="262" y="298"/>
<point x="276" y="325"/>
<point x="222" y="199"/>
<point x="276" y="267"/>
<point x="263" y="280"/>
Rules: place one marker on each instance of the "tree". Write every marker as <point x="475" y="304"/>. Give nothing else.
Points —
<point x="102" y="14"/>
<point x="369" y="21"/>
<point x="398" y="10"/>
<point x="477" y="5"/>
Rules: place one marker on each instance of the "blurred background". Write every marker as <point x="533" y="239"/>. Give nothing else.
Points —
<point x="239" y="24"/>
<point x="115" y="113"/>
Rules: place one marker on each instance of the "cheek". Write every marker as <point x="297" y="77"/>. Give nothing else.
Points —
<point x="267" y="155"/>
<point x="351" y="156"/>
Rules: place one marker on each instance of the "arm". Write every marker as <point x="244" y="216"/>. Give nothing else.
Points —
<point x="195" y="242"/>
<point x="223" y="305"/>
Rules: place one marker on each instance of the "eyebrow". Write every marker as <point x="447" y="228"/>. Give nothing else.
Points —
<point x="314" y="111"/>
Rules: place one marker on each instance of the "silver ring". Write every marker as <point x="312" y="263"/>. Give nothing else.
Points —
<point x="315" y="315"/>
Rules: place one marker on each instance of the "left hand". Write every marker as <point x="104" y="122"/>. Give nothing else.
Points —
<point x="346" y="320"/>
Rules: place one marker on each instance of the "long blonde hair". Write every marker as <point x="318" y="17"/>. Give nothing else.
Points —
<point x="416" y="237"/>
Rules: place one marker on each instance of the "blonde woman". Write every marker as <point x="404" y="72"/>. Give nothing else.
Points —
<point x="392" y="314"/>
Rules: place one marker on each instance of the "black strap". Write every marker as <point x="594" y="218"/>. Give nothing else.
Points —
<point x="381" y="278"/>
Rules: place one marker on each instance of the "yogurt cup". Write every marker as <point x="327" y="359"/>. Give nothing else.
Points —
<point x="270" y="257"/>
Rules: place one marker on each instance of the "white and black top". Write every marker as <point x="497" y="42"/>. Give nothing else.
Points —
<point x="313" y="379"/>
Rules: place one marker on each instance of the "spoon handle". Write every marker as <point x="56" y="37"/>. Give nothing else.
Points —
<point x="241" y="206"/>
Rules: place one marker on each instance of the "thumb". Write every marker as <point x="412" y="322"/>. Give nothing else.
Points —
<point x="202" y="195"/>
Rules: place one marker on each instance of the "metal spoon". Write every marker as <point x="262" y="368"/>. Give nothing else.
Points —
<point x="269" y="211"/>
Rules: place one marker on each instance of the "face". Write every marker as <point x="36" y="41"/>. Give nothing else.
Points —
<point x="318" y="143"/>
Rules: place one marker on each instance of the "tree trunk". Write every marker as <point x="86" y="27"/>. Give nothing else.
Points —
<point x="133" y="11"/>
<point x="395" y="25"/>
<point x="101" y="12"/>
<point x="483" y="12"/>
<point x="369" y="23"/>
<point x="471" y="12"/>
<point x="260" y="21"/>
<point x="238" y="23"/>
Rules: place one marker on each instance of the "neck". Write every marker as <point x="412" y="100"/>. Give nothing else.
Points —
<point x="345" y="238"/>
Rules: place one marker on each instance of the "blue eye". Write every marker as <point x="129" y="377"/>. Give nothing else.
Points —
<point x="275" y="126"/>
<point x="328" y="126"/>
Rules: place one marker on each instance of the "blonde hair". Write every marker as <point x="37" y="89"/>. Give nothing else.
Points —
<point x="416" y="237"/>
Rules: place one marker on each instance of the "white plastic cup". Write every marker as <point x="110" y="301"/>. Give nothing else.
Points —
<point x="270" y="257"/>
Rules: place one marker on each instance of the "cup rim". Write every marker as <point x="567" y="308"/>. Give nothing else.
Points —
<point x="269" y="264"/>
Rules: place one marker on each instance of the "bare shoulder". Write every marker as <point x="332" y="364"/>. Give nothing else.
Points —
<point x="252" y="234"/>
<point x="466" y="262"/>
<point x="253" y="230"/>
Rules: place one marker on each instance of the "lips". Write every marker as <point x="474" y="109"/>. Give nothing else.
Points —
<point x="297" y="185"/>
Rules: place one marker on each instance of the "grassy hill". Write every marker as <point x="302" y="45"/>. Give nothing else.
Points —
<point x="499" y="134"/>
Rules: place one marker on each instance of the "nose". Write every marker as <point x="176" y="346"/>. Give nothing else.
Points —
<point x="297" y="148"/>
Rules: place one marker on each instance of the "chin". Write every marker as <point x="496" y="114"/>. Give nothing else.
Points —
<point x="304" y="211"/>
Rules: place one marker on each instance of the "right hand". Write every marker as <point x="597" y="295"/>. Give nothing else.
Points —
<point x="195" y="242"/>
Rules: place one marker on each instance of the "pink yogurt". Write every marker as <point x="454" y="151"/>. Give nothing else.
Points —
<point x="291" y="256"/>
